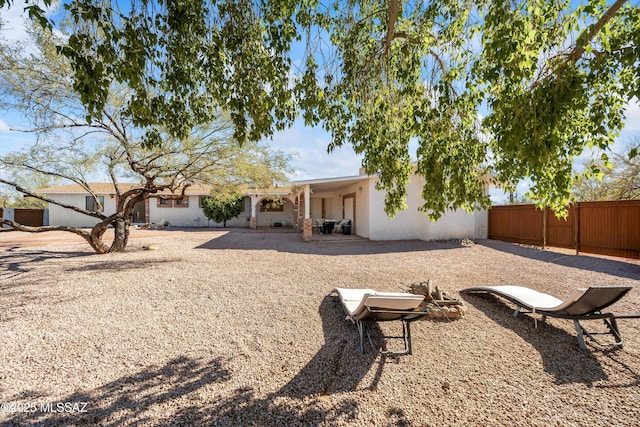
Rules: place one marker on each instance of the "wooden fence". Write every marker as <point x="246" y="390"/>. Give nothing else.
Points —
<point x="607" y="228"/>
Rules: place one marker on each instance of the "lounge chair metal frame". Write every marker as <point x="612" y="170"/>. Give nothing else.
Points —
<point x="406" y="318"/>
<point x="366" y="305"/>
<point x="581" y="299"/>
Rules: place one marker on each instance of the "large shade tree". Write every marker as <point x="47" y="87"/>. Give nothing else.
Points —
<point x="73" y="146"/>
<point x="517" y="88"/>
<point x="618" y="179"/>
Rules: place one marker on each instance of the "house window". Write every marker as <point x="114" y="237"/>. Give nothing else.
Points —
<point x="92" y="206"/>
<point x="267" y="205"/>
<point x="164" y="202"/>
<point x="182" y="202"/>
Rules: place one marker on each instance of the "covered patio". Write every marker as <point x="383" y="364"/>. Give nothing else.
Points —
<point x="330" y="199"/>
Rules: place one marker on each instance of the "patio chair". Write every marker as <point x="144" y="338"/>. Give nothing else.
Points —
<point x="582" y="304"/>
<point x="340" y="224"/>
<point x="328" y="226"/>
<point x="364" y="305"/>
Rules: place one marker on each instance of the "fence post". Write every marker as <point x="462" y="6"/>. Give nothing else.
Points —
<point x="544" y="227"/>
<point x="576" y="226"/>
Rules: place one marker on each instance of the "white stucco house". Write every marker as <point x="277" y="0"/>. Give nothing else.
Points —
<point x="356" y="198"/>
<point x="300" y="207"/>
<point x="163" y="208"/>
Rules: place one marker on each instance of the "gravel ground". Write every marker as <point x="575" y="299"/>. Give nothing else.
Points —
<point x="238" y="328"/>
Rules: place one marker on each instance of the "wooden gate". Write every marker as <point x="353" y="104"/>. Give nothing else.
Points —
<point x="30" y="217"/>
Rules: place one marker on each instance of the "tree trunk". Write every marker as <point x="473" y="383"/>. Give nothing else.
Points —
<point x="95" y="240"/>
<point x="121" y="235"/>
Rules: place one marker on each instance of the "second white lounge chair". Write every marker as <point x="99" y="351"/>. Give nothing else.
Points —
<point x="364" y="305"/>
<point x="582" y="304"/>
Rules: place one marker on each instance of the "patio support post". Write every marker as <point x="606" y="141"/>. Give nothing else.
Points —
<point x="306" y="222"/>
<point x="252" y="220"/>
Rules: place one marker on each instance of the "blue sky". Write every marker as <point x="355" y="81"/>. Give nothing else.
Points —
<point x="308" y="146"/>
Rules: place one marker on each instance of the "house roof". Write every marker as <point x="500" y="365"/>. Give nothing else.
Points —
<point x="108" y="188"/>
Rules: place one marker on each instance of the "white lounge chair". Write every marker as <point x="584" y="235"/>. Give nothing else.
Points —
<point x="364" y="305"/>
<point x="582" y="304"/>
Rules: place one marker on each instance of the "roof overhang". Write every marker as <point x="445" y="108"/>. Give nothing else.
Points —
<point x="331" y="185"/>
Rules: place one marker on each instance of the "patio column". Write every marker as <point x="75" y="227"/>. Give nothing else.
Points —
<point x="252" y="219"/>
<point x="307" y="201"/>
<point x="306" y="222"/>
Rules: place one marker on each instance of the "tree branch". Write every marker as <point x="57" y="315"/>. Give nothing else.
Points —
<point x="45" y="199"/>
<point x="394" y="5"/>
<point x="592" y="30"/>
<point x="42" y="229"/>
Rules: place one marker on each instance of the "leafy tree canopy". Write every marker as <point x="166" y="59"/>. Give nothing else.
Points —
<point x="618" y="179"/>
<point x="222" y="207"/>
<point x="515" y="88"/>
<point x="71" y="147"/>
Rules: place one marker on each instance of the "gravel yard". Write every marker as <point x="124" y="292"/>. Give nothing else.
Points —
<point x="237" y="327"/>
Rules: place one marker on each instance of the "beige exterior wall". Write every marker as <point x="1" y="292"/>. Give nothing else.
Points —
<point x="191" y="216"/>
<point x="414" y="224"/>
<point x="63" y="216"/>
<point x="267" y="219"/>
<point x="315" y="211"/>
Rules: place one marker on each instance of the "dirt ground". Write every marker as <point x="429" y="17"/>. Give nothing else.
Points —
<point x="236" y="328"/>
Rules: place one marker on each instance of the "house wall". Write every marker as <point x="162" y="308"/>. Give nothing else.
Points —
<point x="315" y="209"/>
<point x="63" y="216"/>
<point x="192" y="215"/>
<point x="407" y="224"/>
<point x="267" y="219"/>
<point x="414" y="224"/>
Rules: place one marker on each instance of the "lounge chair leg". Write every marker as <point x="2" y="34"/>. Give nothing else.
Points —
<point x="580" y="332"/>
<point x="361" y="327"/>
<point x="407" y="337"/>
<point x="612" y="324"/>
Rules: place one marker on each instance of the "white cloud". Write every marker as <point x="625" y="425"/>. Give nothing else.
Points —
<point x="15" y="22"/>
<point x="632" y="123"/>
<point x="308" y="147"/>
<point x="3" y="126"/>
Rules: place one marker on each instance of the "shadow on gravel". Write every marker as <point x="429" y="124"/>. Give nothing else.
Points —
<point x="16" y="291"/>
<point x="13" y="263"/>
<point x="337" y="367"/>
<point x="293" y="243"/>
<point x="627" y="270"/>
<point x="560" y="353"/>
<point x="125" y="265"/>
<point x="173" y="394"/>
<point x="134" y="399"/>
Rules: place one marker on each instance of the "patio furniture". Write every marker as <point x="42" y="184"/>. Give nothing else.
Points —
<point x="365" y="305"/>
<point x="582" y="304"/>
<point x="328" y="226"/>
<point x="343" y="225"/>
